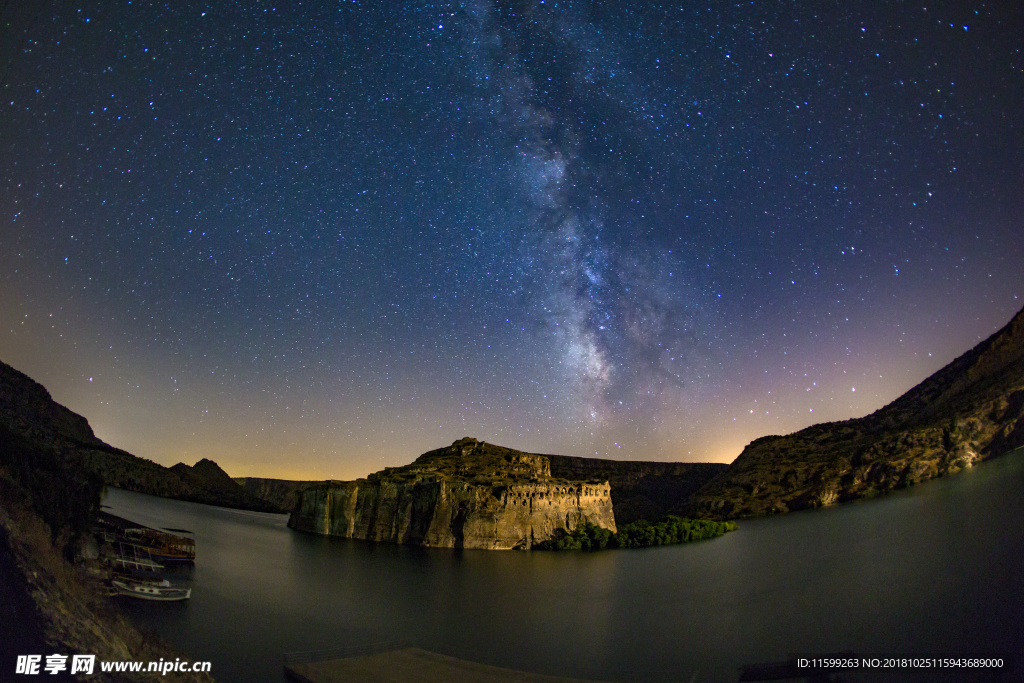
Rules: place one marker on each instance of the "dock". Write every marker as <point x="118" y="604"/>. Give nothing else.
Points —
<point x="410" y="665"/>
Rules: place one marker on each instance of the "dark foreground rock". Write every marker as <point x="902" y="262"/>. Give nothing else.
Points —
<point x="47" y="504"/>
<point x="969" y="411"/>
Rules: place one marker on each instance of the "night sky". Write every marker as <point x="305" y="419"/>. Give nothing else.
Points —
<point x="309" y="240"/>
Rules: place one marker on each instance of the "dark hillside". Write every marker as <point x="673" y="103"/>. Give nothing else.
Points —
<point x="968" y="411"/>
<point x="28" y="412"/>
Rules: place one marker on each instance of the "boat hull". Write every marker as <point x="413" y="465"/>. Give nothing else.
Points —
<point x="151" y="592"/>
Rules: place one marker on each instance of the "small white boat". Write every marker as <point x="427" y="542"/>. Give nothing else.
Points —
<point x="149" y="590"/>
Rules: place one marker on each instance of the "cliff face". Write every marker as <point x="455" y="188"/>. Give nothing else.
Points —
<point x="971" y="410"/>
<point x="468" y="495"/>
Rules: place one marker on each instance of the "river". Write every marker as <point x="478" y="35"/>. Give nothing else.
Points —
<point x="934" y="570"/>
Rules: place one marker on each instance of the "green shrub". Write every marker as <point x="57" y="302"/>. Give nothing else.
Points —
<point x="669" y="531"/>
<point x="641" y="534"/>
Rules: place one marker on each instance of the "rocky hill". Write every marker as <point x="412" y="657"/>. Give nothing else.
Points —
<point x="468" y="495"/>
<point x="28" y="410"/>
<point x="206" y="482"/>
<point x="970" y="410"/>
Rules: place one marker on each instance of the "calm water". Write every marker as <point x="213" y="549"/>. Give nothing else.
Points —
<point x="933" y="570"/>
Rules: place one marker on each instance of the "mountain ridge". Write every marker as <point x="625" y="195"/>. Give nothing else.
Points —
<point x="970" y="410"/>
<point x="28" y="409"/>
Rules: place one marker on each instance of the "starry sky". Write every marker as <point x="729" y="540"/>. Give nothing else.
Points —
<point x="311" y="240"/>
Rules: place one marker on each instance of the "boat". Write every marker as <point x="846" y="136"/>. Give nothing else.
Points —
<point x="128" y="554"/>
<point x="161" y="545"/>
<point x="150" y="590"/>
<point x="164" y="546"/>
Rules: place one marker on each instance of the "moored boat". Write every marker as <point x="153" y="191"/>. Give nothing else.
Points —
<point x="150" y="590"/>
<point x="164" y="546"/>
<point x="161" y="545"/>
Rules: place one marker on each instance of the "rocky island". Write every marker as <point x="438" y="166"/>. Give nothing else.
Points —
<point x="471" y="494"/>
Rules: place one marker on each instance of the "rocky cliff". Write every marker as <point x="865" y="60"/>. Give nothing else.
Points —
<point x="469" y="495"/>
<point x="970" y="410"/>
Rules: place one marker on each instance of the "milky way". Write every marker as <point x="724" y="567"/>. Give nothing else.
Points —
<point x="312" y="241"/>
<point x="607" y="306"/>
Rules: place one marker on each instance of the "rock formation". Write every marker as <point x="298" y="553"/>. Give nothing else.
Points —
<point x="469" y="495"/>
<point x="970" y="410"/>
<point x="26" y="408"/>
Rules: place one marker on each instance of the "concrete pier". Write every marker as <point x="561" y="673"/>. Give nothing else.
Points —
<point x="411" y="665"/>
